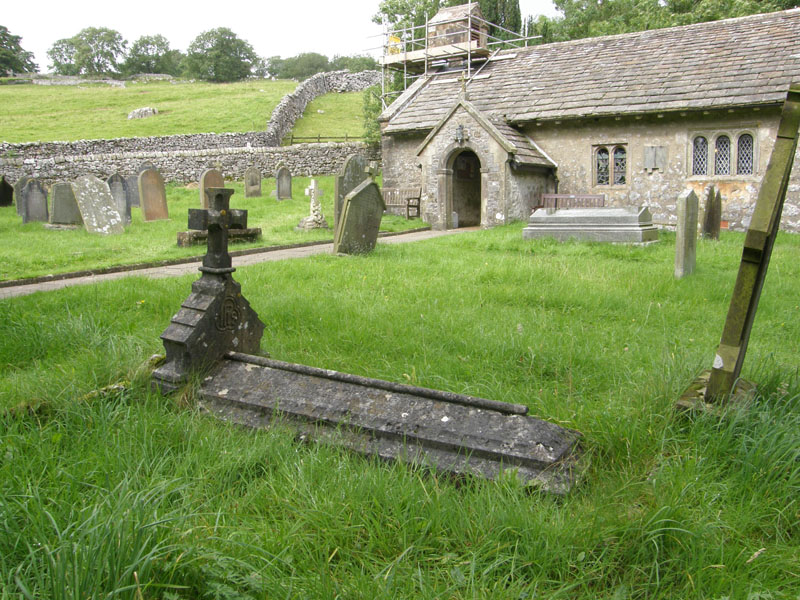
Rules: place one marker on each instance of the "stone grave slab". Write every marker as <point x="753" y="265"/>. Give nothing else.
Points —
<point x="360" y="221"/>
<point x="35" y="202"/>
<point x="19" y="196"/>
<point x="628" y="224"/>
<point x="118" y="186"/>
<point x="97" y="206"/>
<point x="6" y="192"/>
<point x="350" y="176"/>
<point x="283" y="183"/>
<point x="209" y="178"/>
<point x="64" y="207"/>
<point x="686" y="234"/>
<point x="252" y="183"/>
<point x="132" y="190"/>
<point x="152" y="195"/>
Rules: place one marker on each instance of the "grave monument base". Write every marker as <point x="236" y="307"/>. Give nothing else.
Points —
<point x="693" y="400"/>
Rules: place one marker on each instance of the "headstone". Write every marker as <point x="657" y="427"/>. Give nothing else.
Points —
<point x="35" y="202"/>
<point x="215" y="318"/>
<point x="283" y="183"/>
<point x="146" y="165"/>
<point x="132" y="190"/>
<point x="351" y="175"/>
<point x="152" y="195"/>
<point x="252" y="183"/>
<point x="6" y="192"/>
<point x="315" y="220"/>
<point x="19" y="196"/>
<point x="63" y="205"/>
<point x="360" y="220"/>
<point x="713" y="215"/>
<point x="627" y="224"/>
<point x="209" y="178"/>
<point x="686" y="234"/>
<point x="118" y="186"/>
<point x="97" y="205"/>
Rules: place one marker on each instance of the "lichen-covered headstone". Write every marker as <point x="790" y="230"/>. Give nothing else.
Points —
<point x="132" y="190"/>
<point x="252" y="183"/>
<point x="19" y="185"/>
<point x="283" y="183"/>
<point x="35" y="202"/>
<point x="360" y="220"/>
<point x="63" y="205"/>
<point x="350" y="176"/>
<point x="686" y="234"/>
<point x="97" y="206"/>
<point x="118" y="186"/>
<point x="210" y="178"/>
<point x="152" y="195"/>
<point x="6" y="192"/>
<point x="713" y="215"/>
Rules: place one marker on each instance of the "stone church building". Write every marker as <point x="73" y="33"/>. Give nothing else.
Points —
<point x="637" y="117"/>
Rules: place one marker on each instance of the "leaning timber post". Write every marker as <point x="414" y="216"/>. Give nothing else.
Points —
<point x="215" y="318"/>
<point x="758" y="245"/>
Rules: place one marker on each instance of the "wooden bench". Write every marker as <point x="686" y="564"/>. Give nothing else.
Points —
<point x="403" y="200"/>
<point x="572" y="201"/>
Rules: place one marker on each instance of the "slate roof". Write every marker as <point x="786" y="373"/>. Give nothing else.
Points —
<point x="738" y="62"/>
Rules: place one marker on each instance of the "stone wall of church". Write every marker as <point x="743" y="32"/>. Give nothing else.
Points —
<point x="573" y="146"/>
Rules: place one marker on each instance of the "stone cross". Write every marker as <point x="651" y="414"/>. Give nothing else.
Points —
<point x="217" y="220"/>
<point x="315" y="220"/>
<point x="372" y="170"/>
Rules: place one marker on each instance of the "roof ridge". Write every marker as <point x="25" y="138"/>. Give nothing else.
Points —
<point x="631" y="34"/>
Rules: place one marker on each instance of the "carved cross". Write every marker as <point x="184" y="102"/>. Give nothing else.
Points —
<point x="371" y="170"/>
<point x="217" y="220"/>
<point x="313" y="191"/>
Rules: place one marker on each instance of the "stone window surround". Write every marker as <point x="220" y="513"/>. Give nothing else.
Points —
<point x="611" y="147"/>
<point x="711" y="136"/>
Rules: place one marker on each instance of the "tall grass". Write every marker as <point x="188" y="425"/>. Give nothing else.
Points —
<point x="600" y="338"/>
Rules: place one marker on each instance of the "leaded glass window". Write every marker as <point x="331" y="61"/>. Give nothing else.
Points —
<point x="700" y="156"/>
<point x="602" y="166"/>
<point x="722" y="156"/>
<point x="620" y="164"/>
<point x="744" y="155"/>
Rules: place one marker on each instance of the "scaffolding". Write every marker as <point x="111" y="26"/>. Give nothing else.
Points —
<point x="460" y="43"/>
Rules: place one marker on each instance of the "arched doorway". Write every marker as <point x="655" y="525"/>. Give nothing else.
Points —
<point x="465" y="186"/>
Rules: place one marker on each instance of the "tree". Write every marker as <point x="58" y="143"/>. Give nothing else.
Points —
<point x="152" y="54"/>
<point x="219" y="55"/>
<point x="13" y="58"/>
<point x="93" y="51"/>
<point x="354" y="64"/>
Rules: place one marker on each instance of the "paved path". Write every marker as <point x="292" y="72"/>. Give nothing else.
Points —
<point x="238" y="261"/>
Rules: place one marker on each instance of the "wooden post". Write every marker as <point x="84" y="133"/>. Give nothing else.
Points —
<point x="756" y="254"/>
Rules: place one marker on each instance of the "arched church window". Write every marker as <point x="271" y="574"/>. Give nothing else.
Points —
<point x="700" y="156"/>
<point x="603" y="175"/>
<point x="744" y="155"/>
<point x="620" y="165"/>
<point x="722" y="156"/>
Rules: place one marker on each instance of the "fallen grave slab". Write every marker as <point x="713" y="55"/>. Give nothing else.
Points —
<point x="446" y="431"/>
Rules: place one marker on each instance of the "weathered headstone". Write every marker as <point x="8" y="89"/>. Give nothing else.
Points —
<point x="210" y="178"/>
<point x="97" y="205"/>
<point x="63" y="205"/>
<point x="360" y="220"/>
<point x="252" y="183"/>
<point x="350" y="176"/>
<point x="19" y="197"/>
<point x="6" y="192"/>
<point x="35" y="202"/>
<point x="283" y="183"/>
<point x="132" y="190"/>
<point x="152" y="195"/>
<point x="215" y="318"/>
<point x="315" y="220"/>
<point x="713" y="215"/>
<point x="118" y="186"/>
<point x="146" y="165"/>
<point x="686" y="234"/>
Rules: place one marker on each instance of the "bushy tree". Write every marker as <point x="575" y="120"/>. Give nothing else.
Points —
<point x="152" y="54"/>
<point x="372" y="109"/>
<point x="13" y="58"/>
<point x="93" y="51"/>
<point x="354" y="64"/>
<point x="219" y="55"/>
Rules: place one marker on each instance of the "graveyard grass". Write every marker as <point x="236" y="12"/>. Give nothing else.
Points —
<point x="128" y="493"/>
<point x="32" y="250"/>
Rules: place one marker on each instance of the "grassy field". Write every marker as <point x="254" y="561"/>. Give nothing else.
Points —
<point x="64" y="113"/>
<point x="131" y="494"/>
<point x="32" y="250"/>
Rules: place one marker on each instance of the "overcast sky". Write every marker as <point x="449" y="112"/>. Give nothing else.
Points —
<point x="285" y="28"/>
